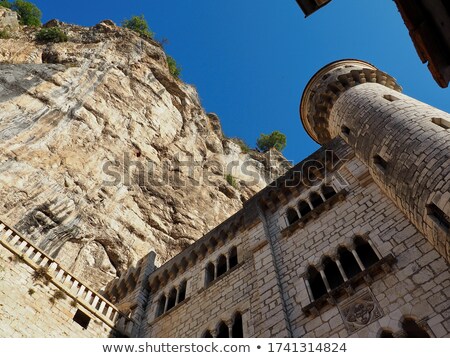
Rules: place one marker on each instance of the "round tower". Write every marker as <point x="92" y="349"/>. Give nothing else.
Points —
<point x="405" y="143"/>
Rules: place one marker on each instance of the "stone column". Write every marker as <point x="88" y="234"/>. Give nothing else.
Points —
<point x="358" y="260"/>
<point x="341" y="270"/>
<point x="404" y="143"/>
<point x="325" y="280"/>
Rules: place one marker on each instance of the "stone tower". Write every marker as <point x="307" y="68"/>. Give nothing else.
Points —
<point x="405" y="143"/>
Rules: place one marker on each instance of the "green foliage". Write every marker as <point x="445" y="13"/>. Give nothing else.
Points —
<point x="138" y="24"/>
<point x="231" y="180"/>
<point x="4" y="34"/>
<point x="275" y="140"/>
<point x="29" y="14"/>
<point x="51" y="34"/>
<point x="31" y="292"/>
<point x="174" y="70"/>
<point x="5" y="3"/>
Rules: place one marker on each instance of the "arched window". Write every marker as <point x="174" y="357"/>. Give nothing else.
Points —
<point x="365" y="252"/>
<point x="328" y="192"/>
<point x="315" y="199"/>
<point x="304" y="208"/>
<point x="413" y="330"/>
<point x="207" y="334"/>
<point x="292" y="216"/>
<point x="182" y="292"/>
<point x="221" y="265"/>
<point x="223" y="331"/>
<point x="172" y="299"/>
<point x="209" y="273"/>
<point x="386" y="334"/>
<point x="348" y="262"/>
<point x="332" y="273"/>
<point x="233" y="257"/>
<point x="238" y="330"/>
<point x="316" y="283"/>
<point x="161" y="306"/>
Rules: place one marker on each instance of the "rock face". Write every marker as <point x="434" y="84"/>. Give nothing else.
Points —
<point x="105" y="156"/>
<point x="8" y="19"/>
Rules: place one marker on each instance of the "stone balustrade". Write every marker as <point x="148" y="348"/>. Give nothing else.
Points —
<point x="64" y="280"/>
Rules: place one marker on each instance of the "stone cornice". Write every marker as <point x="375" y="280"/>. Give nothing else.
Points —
<point x="327" y="85"/>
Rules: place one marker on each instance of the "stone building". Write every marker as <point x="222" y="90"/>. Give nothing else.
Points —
<point x="354" y="241"/>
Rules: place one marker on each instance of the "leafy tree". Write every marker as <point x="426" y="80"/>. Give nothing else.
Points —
<point x="29" y="14"/>
<point x="138" y="24"/>
<point x="173" y="67"/>
<point x="5" y="3"/>
<point x="51" y="34"/>
<point x="275" y="140"/>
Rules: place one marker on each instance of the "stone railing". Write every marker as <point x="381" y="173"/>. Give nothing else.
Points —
<point x="64" y="280"/>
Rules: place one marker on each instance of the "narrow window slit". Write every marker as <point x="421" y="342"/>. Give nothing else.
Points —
<point x="233" y="257"/>
<point x="345" y="130"/>
<point x="304" y="208"/>
<point x="441" y="122"/>
<point x="439" y="216"/>
<point x="316" y="283"/>
<point x="172" y="299"/>
<point x="390" y="98"/>
<point x="182" y="292"/>
<point x="223" y="331"/>
<point x="210" y="273"/>
<point x="237" y="329"/>
<point x="380" y="162"/>
<point x="221" y="265"/>
<point x="292" y="216"/>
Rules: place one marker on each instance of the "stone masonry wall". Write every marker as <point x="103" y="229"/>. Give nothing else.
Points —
<point x="30" y="314"/>
<point x="417" y="287"/>
<point x="34" y="283"/>
<point x="250" y="288"/>
<point x="406" y="145"/>
<point x="410" y="280"/>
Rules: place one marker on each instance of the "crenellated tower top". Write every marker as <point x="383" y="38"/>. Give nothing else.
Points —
<point x="327" y="85"/>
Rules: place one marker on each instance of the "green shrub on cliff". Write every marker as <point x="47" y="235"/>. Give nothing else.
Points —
<point x="29" y="14"/>
<point x="5" y="3"/>
<point x="138" y="24"/>
<point x="4" y="34"/>
<point x="231" y="180"/>
<point x="51" y="34"/>
<point x="174" y="70"/>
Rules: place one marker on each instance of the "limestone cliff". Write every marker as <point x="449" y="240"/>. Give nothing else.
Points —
<point x="95" y="140"/>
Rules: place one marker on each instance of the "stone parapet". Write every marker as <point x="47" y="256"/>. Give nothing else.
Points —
<point x="88" y="298"/>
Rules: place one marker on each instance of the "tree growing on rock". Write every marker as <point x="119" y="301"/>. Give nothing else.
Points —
<point x="138" y="24"/>
<point x="275" y="140"/>
<point x="29" y="14"/>
<point x="5" y="3"/>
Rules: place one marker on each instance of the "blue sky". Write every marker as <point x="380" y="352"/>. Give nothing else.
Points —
<point x="251" y="59"/>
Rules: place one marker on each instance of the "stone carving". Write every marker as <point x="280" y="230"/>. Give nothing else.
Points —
<point x="360" y="311"/>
